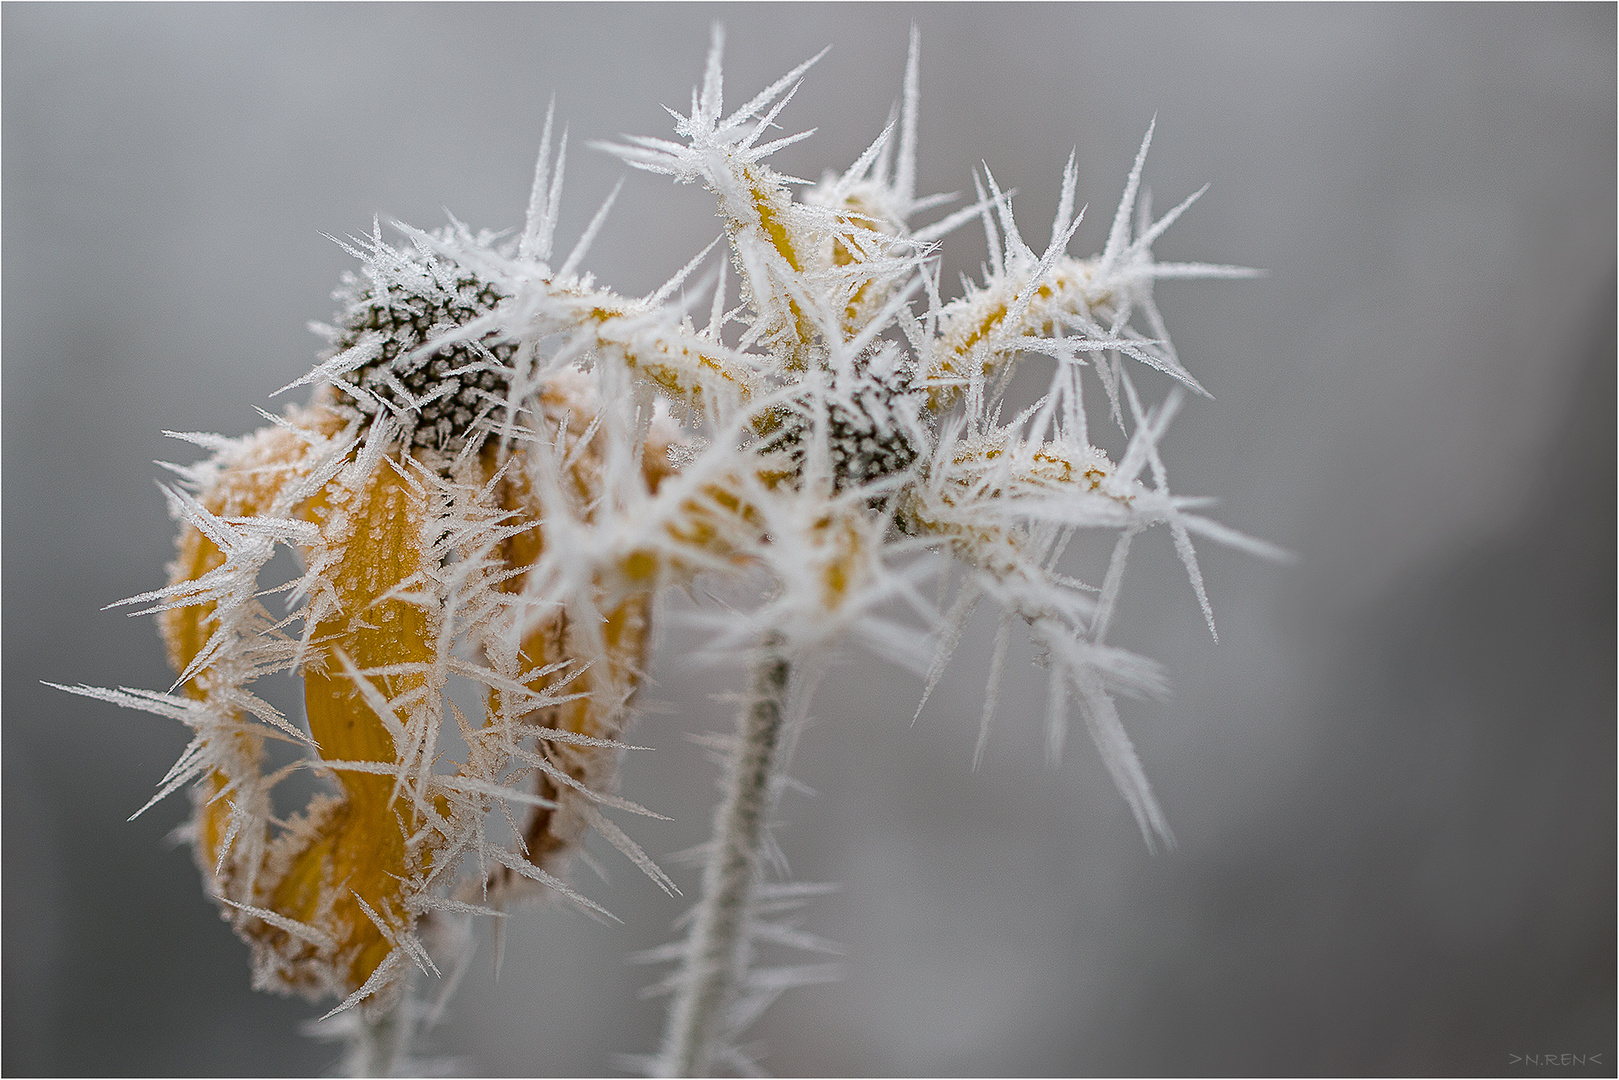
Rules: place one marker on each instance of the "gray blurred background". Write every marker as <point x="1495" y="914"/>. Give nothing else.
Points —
<point x="1393" y="780"/>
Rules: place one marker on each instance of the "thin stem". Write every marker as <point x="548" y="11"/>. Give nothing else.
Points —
<point x="379" y="1046"/>
<point x="716" y="948"/>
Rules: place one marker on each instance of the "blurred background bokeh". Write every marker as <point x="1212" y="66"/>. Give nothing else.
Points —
<point x="1393" y="781"/>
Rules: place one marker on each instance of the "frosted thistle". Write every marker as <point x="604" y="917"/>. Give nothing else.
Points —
<point x="505" y="463"/>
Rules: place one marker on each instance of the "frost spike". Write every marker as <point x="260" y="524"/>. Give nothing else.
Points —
<point x="541" y="221"/>
<point x="1119" y="234"/>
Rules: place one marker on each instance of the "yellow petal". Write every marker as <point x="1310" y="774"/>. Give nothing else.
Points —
<point x="376" y="531"/>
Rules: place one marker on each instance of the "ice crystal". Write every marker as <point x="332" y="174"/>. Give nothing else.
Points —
<point x="503" y="465"/>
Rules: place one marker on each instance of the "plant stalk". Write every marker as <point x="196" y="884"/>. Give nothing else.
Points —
<point x="381" y="1042"/>
<point x="716" y="955"/>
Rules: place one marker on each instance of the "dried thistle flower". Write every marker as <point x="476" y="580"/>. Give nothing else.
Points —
<point x="503" y="465"/>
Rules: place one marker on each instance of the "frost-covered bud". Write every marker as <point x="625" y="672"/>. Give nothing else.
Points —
<point x="873" y="429"/>
<point x="407" y="301"/>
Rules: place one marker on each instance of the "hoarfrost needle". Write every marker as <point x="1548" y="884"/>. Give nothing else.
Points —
<point x="503" y="465"/>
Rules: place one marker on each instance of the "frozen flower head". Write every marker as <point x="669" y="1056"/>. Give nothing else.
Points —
<point x="505" y="462"/>
<point x="406" y="299"/>
<point x="408" y="490"/>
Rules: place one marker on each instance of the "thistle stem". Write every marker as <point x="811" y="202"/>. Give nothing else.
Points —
<point x="717" y="946"/>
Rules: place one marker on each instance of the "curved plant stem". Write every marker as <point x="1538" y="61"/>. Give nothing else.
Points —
<point x="716" y="947"/>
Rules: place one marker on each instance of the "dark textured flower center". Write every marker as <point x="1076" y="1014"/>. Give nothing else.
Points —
<point x="439" y="398"/>
<point x="871" y="428"/>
